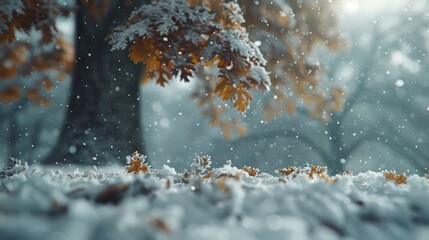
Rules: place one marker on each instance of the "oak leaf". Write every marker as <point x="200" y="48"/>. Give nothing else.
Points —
<point x="137" y="52"/>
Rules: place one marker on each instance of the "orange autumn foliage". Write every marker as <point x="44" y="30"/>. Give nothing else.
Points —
<point x="170" y="52"/>
<point x="27" y="68"/>
<point x="289" y="32"/>
<point x="396" y="178"/>
<point x="40" y="15"/>
<point x="136" y="164"/>
<point x="206" y="40"/>
<point x="20" y="68"/>
<point x="9" y="93"/>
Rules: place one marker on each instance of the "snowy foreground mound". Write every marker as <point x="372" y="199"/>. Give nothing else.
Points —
<point x="225" y="203"/>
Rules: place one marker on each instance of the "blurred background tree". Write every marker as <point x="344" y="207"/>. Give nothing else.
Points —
<point x="383" y="124"/>
<point x="32" y="65"/>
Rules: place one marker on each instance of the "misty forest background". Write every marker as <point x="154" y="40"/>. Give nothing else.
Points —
<point x="384" y="122"/>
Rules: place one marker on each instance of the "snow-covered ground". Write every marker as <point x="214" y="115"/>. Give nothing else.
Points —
<point x="221" y="203"/>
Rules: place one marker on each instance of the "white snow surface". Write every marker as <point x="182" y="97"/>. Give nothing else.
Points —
<point x="89" y="203"/>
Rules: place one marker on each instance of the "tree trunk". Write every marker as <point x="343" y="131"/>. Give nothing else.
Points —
<point x="102" y="121"/>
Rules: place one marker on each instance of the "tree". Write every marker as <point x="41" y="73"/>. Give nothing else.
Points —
<point x="173" y="39"/>
<point x="385" y="114"/>
<point x="288" y="32"/>
<point x="31" y="65"/>
<point x="383" y="107"/>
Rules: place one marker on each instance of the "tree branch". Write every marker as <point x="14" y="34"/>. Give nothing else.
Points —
<point x="371" y="136"/>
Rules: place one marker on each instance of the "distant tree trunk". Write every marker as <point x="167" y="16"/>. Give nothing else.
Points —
<point x="102" y="121"/>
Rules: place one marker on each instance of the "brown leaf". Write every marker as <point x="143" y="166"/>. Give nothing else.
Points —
<point x="137" y="52"/>
<point x="243" y="99"/>
<point x="163" y="78"/>
<point x="112" y="194"/>
<point x="137" y="164"/>
<point x="19" y="54"/>
<point x="290" y="106"/>
<point x="251" y="171"/>
<point x="47" y="83"/>
<point x="398" y="179"/>
<point x="145" y="78"/>
<point x="7" y="73"/>
<point x="47" y="34"/>
<point x="9" y="93"/>
<point x="161" y="225"/>
<point x="286" y="171"/>
<point x="9" y="34"/>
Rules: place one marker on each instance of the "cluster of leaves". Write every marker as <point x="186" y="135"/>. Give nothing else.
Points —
<point x="32" y="65"/>
<point x="290" y="171"/>
<point x="200" y="171"/>
<point x="174" y="38"/>
<point x="25" y="15"/>
<point x="313" y="172"/>
<point x="200" y="164"/>
<point x="397" y="178"/>
<point x="251" y="171"/>
<point x="202" y="39"/>
<point x="136" y="163"/>
<point x="29" y="70"/>
<point x="13" y="167"/>
<point x="288" y="32"/>
<point x="320" y="172"/>
<point x="213" y="108"/>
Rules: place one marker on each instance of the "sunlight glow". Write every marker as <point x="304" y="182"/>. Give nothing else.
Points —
<point x="66" y="26"/>
<point x="352" y="7"/>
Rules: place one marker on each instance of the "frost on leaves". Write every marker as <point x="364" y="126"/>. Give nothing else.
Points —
<point x="290" y="31"/>
<point x="312" y="172"/>
<point x="137" y="163"/>
<point x="396" y="178"/>
<point x="200" y="164"/>
<point x="23" y="15"/>
<point x="173" y="38"/>
<point x="286" y="33"/>
<point x="253" y="172"/>
<point x="30" y="65"/>
<point x="287" y="171"/>
<point x="28" y="70"/>
<point x="14" y="166"/>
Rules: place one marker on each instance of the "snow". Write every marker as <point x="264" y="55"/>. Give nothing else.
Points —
<point x="166" y="15"/>
<point x="109" y="203"/>
<point x="218" y="35"/>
